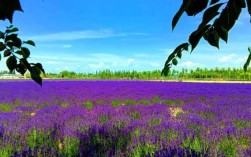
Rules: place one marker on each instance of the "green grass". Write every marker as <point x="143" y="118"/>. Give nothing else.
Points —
<point x="5" y="108"/>
<point x="144" y="102"/>
<point x="100" y="102"/>
<point x="135" y="115"/>
<point x="241" y="124"/>
<point x="228" y="146"/>
<point x="116" y="103"/>
<point x="130" y="102"/>
<point x="88" y="105"/>
<point x="65" y="104"/>
<point x="155" y="121"/>
<point x="207" y="115"/>
<point x="156" y="100"/>
<point x="103" y="119"/>
<point x="69" y="146"/>
<point x="170" y="135"/>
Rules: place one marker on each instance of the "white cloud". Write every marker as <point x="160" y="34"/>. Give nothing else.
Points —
<point x="155" y="64"/>
<point x="227" y="58"/>
<point x="98" y="66"/>
<point x="76" y="35"/>
<point x="129" y="61"/>
<point x="189" y="64"/>
<point x="241" y="59"/>
<point x="95" y="61"/>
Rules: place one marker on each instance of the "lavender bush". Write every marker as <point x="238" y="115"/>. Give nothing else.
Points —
<point x="124" y="118"/>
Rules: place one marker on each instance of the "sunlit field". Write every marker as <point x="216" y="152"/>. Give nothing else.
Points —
<point x="124" y="119"/>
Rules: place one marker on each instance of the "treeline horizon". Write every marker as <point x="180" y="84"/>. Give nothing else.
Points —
<point x="197" y="74"/>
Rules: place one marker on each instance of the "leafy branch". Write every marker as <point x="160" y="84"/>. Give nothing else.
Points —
<point x="12" y="46"/>
<point x="215" y="25"/>
<point x="15" y="52"/>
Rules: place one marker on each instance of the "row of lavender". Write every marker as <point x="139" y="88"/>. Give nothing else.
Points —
<point x="179" y="119"/>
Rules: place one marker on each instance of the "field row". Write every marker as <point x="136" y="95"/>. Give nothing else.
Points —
<point x="125" y="118"/>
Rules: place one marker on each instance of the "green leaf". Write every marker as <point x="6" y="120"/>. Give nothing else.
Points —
<point x="222" y="32"/>
<point x="1" y="35"/>
<point x="7" y="53"/>
<point x="166" y="70"/>
<point x="179" y="54"/>
<point x="17" y="42"/>
<point x="213" y="39"/>
<point x="10" y="44"/>
<point x="249" y="6"/>
<point x="179" y="48"/>
<point x="214" y="1"/>
<point x="12" y="30"/>
<point x="10" y="26"/>
<point x="209" y="14"/>
<point x="30" y="42"/>
<point x="40" y="67"/>
<point x="26" y="63"/>
<point x="196" y="7"/>
<point x="245" y="67"/>
<point x="183" y="46"/>
<point x="25" y="52"/>
<point x="21" y="68"/>
<point x="2" y="46"/>
<point x="195" y="37"/>
<point x="241" y="3"/>
<point x="175" y="61"/>
<point x="229" y="15"/>
<point x="177" y="16"/>
<point x="249" y="49"/>
<point x="8" y="7"/>
<point x="35" y="75"/>
<point x="0" y="56"/>
<point x="10" y="37"/>
<point x="11" y="63"/>
<point x="34" y="71"/>
<point x="19" y="52"/>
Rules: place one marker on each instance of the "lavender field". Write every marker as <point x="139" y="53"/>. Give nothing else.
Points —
<point x="124" y="119"/>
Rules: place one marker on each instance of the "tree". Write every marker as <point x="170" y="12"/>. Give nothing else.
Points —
<point x="12" y="46"/>
<point x="214" y="26"/>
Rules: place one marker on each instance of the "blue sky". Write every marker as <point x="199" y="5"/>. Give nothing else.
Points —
<point x="90" y="35"/>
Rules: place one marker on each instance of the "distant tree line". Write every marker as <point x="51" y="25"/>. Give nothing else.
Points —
<point x="184" y="74"/>
<point x="108" y="74"/>
<point x="216" y="73"/>
<point x="7" y="72"/>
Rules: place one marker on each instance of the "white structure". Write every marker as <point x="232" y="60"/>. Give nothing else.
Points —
<point x="11" y="76"/>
